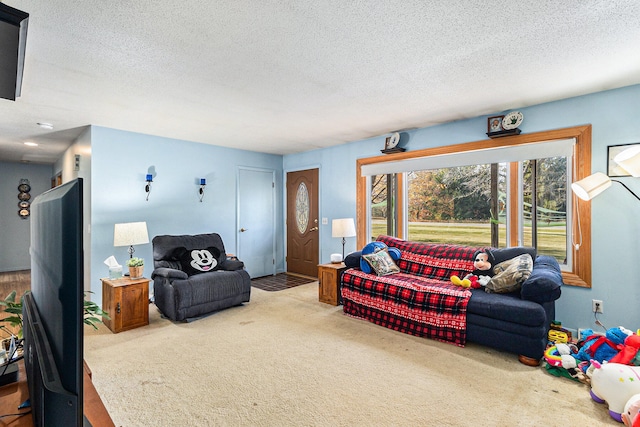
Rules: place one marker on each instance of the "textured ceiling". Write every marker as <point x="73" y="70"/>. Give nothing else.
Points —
<point x="281" y="76"/>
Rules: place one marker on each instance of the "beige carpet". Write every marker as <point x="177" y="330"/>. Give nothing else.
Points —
<point x="285" y="359"/>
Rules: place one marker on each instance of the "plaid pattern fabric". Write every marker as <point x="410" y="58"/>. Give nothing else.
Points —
<point x="420" y="300"/>
<point x="435" y="261"/>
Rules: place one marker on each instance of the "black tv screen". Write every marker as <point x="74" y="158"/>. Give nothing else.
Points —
<point x="53" y="311"/>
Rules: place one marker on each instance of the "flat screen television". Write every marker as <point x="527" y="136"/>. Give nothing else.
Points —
<point x="53" y="311"/>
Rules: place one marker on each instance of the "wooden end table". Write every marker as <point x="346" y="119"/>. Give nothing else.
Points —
<point x="329" y="282"/>
<point x="126" y="301"/>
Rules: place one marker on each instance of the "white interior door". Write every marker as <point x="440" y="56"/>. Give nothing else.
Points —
<point x="257" y="221"/>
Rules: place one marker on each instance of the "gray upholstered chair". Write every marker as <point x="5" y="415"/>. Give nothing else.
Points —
<point x="193" y="276"/>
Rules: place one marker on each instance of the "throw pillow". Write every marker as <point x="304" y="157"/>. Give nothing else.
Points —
<point x="381" y="262"/>
<point x="196" y="261"/>
<point x="510" y="275"/>
<point x="545" y="281"/>
<point x="505" y="254"/>
<point x="353" y="259"/>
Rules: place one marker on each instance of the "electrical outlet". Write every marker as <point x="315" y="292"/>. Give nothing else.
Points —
<point x="596" y="306"/>
<point x="581" y="334"/>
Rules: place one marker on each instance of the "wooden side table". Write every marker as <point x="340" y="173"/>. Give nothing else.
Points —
<point x="126" y="301"/>
<point x="329" y="282"/>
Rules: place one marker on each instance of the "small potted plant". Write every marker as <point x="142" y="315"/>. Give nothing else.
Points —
<point x="136" y="267"/>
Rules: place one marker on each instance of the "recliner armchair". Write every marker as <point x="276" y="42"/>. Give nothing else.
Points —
<point x="193" y="276"/>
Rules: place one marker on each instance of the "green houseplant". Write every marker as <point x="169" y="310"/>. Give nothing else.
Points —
<point x="15" y="321"/>
<point x="14" y="309"/>
<point x="136" y="267"/>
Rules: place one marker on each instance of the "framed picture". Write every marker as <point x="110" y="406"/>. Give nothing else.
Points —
<point x="392" y="141"/>
<point x="494" y="124"/>
<point x="613" y="169"/>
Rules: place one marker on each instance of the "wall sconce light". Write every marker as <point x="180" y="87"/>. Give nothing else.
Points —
<point x="147" y="188"/>
<point x="203" y="182"/>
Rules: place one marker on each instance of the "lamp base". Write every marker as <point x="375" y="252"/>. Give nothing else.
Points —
<point x="336" y="258"/>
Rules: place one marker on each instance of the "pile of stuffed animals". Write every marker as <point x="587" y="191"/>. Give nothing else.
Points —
<point x="610" y="363"/>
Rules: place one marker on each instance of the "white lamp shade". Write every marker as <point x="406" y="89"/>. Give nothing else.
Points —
<point x="344" y="227"/>
<point x="589" y="187"/>
<point x="130" y="233"/>
<point x="629" y="160"/>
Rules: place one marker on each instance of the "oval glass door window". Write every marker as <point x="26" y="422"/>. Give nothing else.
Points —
<point x="302" y="208"/>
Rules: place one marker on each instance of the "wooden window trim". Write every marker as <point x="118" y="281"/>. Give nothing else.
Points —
<point x="581" y="274"/>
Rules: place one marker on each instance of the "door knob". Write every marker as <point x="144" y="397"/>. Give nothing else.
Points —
<point x="313" y="229"/>
<point x="242" y="230"/>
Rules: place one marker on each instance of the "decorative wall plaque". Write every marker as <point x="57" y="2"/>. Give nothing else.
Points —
<point x="23" y="195"/>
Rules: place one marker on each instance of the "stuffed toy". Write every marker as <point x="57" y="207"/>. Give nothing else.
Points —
<point x="483" y="261"/>
<point x="628" y="351"/>
<point x="562" y="356"/>
<point x="631" y="414"/>
<point x="615" y="384"/>
<point x="470" y="281"/>
<point x="601" y="348"/>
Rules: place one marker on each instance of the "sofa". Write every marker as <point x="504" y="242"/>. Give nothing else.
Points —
<point x="421" y="299"/>
<point x="193" y="276"/>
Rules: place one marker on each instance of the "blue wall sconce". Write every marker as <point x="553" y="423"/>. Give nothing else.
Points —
<point x="147" y="188"/>
<point x="203" y="182"/>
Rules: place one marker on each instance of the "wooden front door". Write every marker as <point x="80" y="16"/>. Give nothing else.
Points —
<point x="303" y="241"/>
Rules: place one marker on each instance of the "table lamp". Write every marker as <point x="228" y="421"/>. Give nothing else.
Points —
<point x="343" y="227"/>
<point x="129" y="234"/>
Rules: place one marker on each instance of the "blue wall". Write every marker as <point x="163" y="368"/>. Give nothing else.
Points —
<point x="121" y="159"/>
<point x="15" y="231"/>
<point x="614" y="116"/>
<point x="119" y="162"/>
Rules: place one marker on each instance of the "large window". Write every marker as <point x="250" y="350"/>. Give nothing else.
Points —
<point x="522" y="201"/>
<point x="455" y="205"/>
<point x="468" y="205"/>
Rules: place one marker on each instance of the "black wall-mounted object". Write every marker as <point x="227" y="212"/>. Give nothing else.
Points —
<point x="13" y="41"/>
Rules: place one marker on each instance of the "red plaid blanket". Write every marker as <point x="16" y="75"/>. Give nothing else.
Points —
<point x="420" y="300"/>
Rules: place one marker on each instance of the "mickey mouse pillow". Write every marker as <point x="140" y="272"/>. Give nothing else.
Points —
<point x="196" y="261"/>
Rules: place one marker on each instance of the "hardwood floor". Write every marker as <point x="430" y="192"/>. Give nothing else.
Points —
<point x="20" y="281"/>
<point x="280" y="281"/>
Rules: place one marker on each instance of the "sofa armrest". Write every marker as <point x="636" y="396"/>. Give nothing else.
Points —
<point x="545" y="282"/>
<point x="231" y="264"/>
<point x="168" y="273"/>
